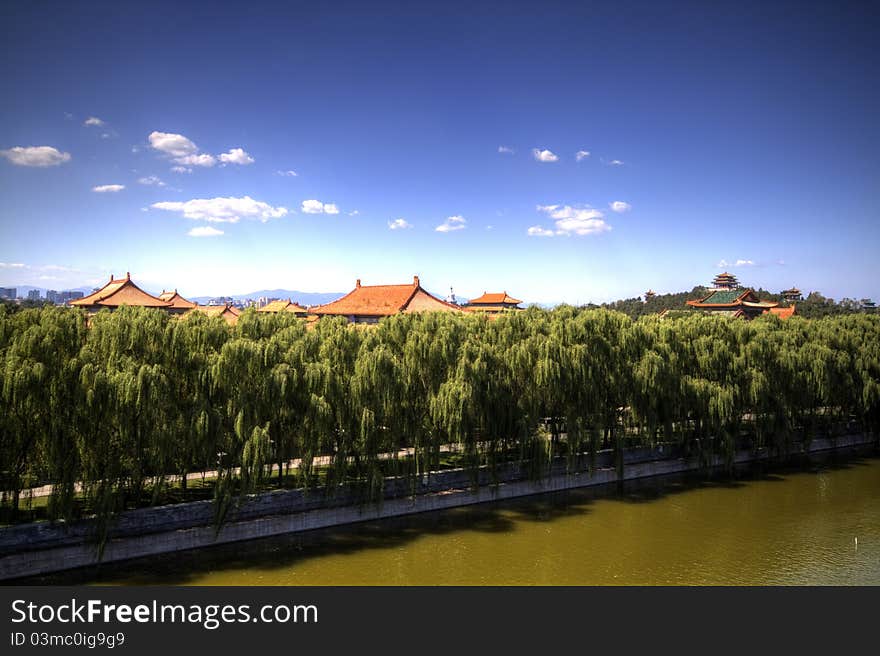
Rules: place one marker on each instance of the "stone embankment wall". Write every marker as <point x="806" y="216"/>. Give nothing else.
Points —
<point x="44" y="547"/>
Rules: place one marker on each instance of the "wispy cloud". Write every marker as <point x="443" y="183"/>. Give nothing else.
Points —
<point x="724" y="264"/>
<point x="506" y="150"/>
<point x="581" y="154"/>
<point x="354" y="213"/>
<point x="223" y="210"/>
<point x="612" y="162"/>
<point x="181" y="169"/>
<point x="41" y="156"/>
<point x="237" y="156"/>
<point x="93" y="121"/>
<point x="108" y="188"/>
<point x="151" y="180"/>
<point x="620" y="206"/>
<point x="199" y="159"/>
<point x="399" y="224"/>
<point x="12" y="265"/>
<point x="569" y="220"/>
<point x="452" y="223"/>
<point x="313" y="206"/>
<point x="544" y="155"/>
<point x="205" y="231"/>
<point x="287" y="174"/>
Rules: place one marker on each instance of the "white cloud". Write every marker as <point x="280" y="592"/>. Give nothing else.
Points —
<point x="109" y="188"/>
<point x="571" y="220"/>
<point x="41" y="156"/>
<point x="620" y="206"/>
<point x="399" y="224"/>
<point x="287" y="174"/>
<point x="205" y="231"/>
<point x="581" y="154"/>
<point x="174" y="145"/>
<point x="223" y="210"/>
<point x="506" y="150"/>
<point x="544" y="155"/>
<point x="11" y="265"/>
<point x="200" y="159"/>
<point x="237" y="156"/>
<point x="742" y="263"/>
<point x="151" y="180"/>
<point x="722" y="264"/>
<point x="614" y="162"/>
<point x="93" y="120"/>
<point x="181" y="169"/>
<point x="452" y="223"/>
<point x="313" y="206"/>
<point x="354" y="213"/>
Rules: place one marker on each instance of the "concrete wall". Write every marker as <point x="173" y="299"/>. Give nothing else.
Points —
<point x="44" y="547"/>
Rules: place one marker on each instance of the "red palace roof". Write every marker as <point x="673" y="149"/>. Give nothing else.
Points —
<point x="494" y="299"/>
<point x="283" y="306"/>
<point x="783" y="313"/>
<point x="227" y="312"/>
<point x="120" y="292"/>
<point x="384" y="300"/>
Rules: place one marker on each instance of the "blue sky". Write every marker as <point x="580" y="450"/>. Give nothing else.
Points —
<point x="740" y="136"/>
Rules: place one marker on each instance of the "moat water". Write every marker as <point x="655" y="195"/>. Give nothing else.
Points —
<point x="812" y="524"/>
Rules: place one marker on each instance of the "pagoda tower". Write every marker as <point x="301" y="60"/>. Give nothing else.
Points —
<point x="725" y="281"/>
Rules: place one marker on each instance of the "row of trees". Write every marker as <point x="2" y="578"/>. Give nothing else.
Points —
<point x="117" y="402"/>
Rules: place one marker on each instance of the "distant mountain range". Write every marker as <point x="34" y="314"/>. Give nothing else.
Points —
<point x="303" y="298"/>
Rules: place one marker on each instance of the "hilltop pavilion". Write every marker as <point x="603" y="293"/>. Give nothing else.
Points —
<point x="493" y="303"/>
<point x="725" y="281"/>
<point x="369" y="303"/>
<point x="792" y="295"/>
<point x="119" y="292"/>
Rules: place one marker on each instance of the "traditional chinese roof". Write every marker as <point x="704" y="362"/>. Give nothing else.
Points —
<point x="730" y="298"/>
<point x="783" y="313"/>
<point x="120" y="292"/>
<point x="384" y="300"/>
<point x="725" y="280"/>
<point x="793" y="290"/>
<point x="227" y="312"/>
<point x="284" y="306"/>
<point x="177" y="301"/>
<point x="494" y="299"/>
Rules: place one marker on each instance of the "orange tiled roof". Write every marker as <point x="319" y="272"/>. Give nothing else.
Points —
<point x="283" y="306"/>
<point x="384" y="300"/>
<point x="783" y="313"/>
<point x="177" y="301"/>
<point x="120" y="292"/>
<point x="226" y="312"/>
<point x="729" y="299"/>
<point x="494" y="299"/>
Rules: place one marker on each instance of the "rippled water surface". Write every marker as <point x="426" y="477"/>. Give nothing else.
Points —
<point x="816" y="524"/>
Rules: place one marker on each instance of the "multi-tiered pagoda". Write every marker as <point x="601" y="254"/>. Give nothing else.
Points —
<point x="725" y="281"/>
<point x="792" y="295"/>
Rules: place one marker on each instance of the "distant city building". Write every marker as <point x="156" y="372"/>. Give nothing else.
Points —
<point x="52" y="296"/>
<point x="368" y="304"/>
<point x="64" y="297"/>
<point x="792" y="295"/>
<point x="9" y="293"/>
<point x="221" y="300"/>
<point x="451" y="297"/>
<point x="495" y="302"/>
<point x="725" y="281"/>
<point x="33" y="295"/>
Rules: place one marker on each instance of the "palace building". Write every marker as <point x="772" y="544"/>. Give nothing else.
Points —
<point x="285" y="306"/>
<point x="649" y="295"/>
<point x="493" y="303"/>
<point x="226" y="312"/>
<point x="179" y="304"/>
<point x="733" y="303"/>
<point x="792" y="295"/>
<point x="369" y="303"/>
<point x="121" y="291"/>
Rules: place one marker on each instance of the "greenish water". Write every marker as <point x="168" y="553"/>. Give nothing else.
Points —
<point x="784" y="526"/>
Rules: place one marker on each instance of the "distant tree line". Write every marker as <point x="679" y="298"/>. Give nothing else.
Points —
<point x="813" y="306"/>
<point x="116" y="402"/>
